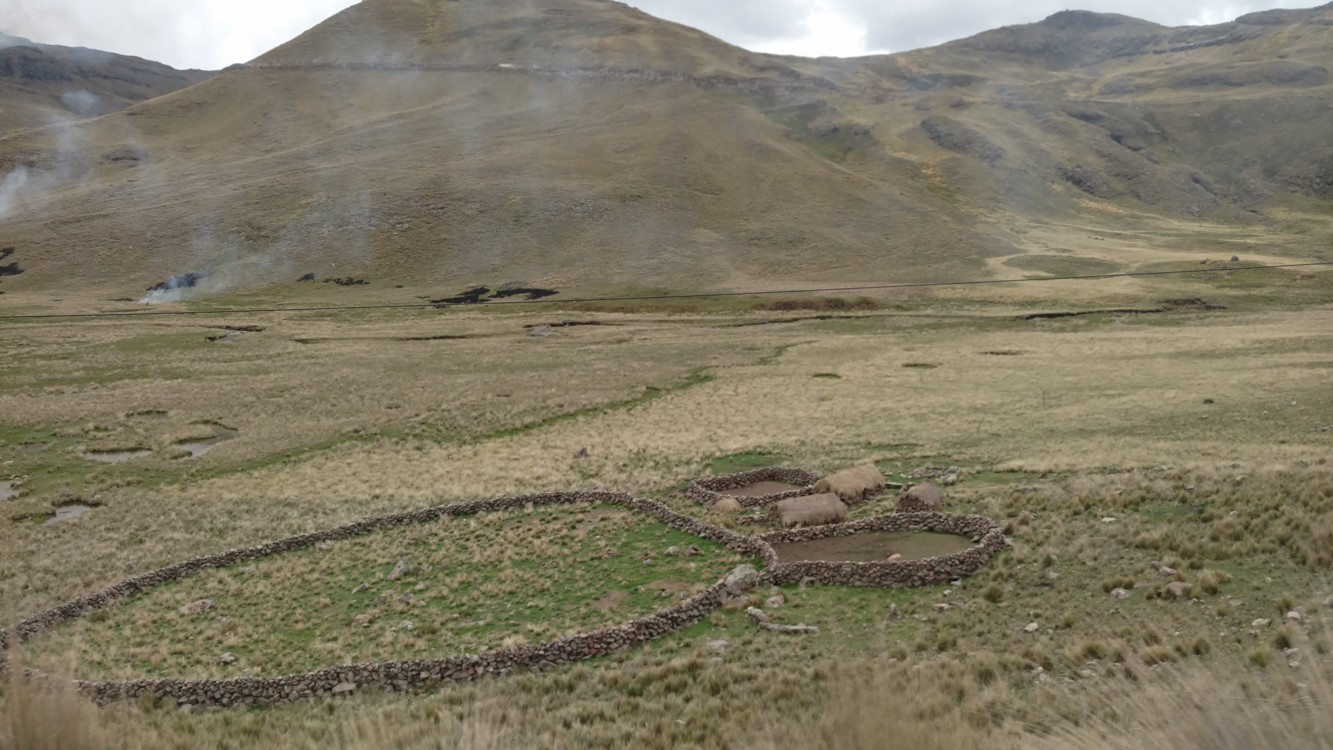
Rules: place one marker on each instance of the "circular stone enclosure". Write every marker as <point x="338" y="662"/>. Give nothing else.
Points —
<point x="986" y="537"/>
<point x="412" y="674"/>
<point x="755" y="488"/>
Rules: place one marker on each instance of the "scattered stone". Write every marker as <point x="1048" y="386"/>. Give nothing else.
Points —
<point x="1162" y="570"/>
<point x="895" y="557"/>
<point x="227" y="658"/>
<point x="761" y="619"/>
<point x="407" y="625"/>
<point x="693" y="551"/>
<point x="401" y="569"/>
<point x="775" y="601"/>
<point x="361" y="589"/>
<point x="942" y="607"/>
<point x="718" y="646"/>
<point x="1109" y="519"/>
<point x="1120" y="593"/>
<point x="1031" y="627"/>
<point x="1261" y="623"/>
<point x="1294" y="615"/>
<point x="362" y="620"/>
<point x="672" y="551"/>
<point x="199" y="607"/>
<point x="893" y="613"/>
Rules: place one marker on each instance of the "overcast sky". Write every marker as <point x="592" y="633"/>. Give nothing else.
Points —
<point x="216" y="33"/>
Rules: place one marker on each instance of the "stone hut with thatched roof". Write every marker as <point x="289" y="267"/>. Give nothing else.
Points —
<point x="921" y="497"/>
<point x="853" y="485"/>
<point x="809" y="510"/>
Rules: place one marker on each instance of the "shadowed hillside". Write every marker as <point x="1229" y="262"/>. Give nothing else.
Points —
<point x="44" y="83"/>
<point x="579" y="143"/>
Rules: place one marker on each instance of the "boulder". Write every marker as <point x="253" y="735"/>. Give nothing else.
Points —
<point x="401" y="569"/>
<point x="741" y="580"/>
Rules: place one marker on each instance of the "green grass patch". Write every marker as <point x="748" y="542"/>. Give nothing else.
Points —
<point x="474" y="584"/>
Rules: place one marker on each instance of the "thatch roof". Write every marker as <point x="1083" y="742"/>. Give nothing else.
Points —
<point x="925" y="496"/>
<point x="853" y="484"/>
<point x="810" y="510"/>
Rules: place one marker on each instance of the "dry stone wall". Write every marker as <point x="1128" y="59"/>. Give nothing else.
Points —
<point x="709" y="491"/>
<point x="987" y="538"/>
<point x="424" y="673"/>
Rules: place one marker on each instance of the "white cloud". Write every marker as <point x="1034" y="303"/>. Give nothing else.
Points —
<point x="826" y="31"/>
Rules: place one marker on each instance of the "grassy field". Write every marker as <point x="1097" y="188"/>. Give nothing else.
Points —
<point x="1109" y="446"/>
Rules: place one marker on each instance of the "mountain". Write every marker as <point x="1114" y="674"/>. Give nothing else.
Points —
<point x="42" y="83"/>
<point x="582" y="143"/>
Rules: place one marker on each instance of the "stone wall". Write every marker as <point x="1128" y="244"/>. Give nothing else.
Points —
<point x="709" y="491"/>
<point x="422" y="673"/>
<point x="988" y="539"/>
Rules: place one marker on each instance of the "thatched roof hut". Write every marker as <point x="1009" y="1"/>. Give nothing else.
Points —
<point x="853" y="484"/>
<point x="810" y="510"/>
<point x="918" y="497"/>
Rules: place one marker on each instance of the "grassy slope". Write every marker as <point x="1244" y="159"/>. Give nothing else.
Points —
<point x="1241" y="514"/>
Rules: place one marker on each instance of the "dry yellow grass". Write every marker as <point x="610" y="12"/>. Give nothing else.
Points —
<point x="1079" y="398"/>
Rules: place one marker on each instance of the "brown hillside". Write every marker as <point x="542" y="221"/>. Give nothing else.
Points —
<point x="581" y="143"/>
<point x="44" y="83"/>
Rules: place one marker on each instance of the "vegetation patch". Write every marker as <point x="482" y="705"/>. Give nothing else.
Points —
<point x="460" y="585"/>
